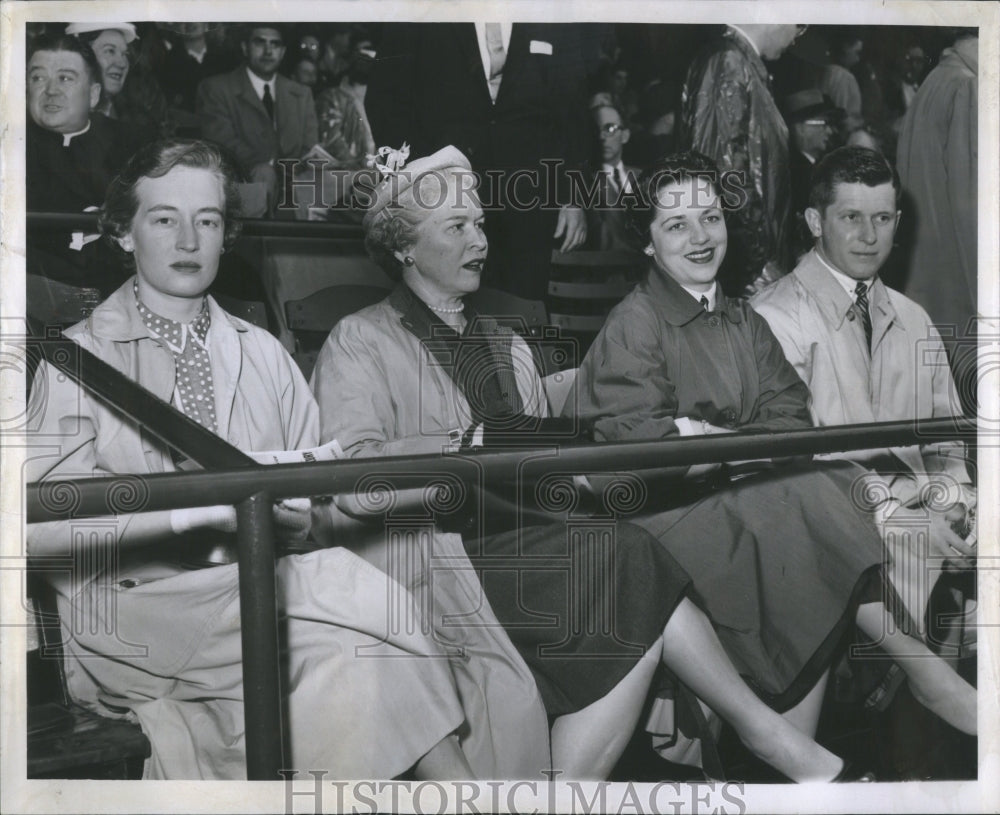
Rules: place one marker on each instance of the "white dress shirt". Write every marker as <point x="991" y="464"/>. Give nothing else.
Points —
<point x="709" y="295"/>
<point x="609" y="170"/>
<point x="258" y="85"/>
<point x="849" y="284"/>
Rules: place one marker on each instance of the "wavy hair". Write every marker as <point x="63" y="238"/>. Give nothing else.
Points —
<point x="156" y="160"/>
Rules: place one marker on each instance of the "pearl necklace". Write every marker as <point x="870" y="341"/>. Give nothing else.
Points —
<point x="443" y="310"/>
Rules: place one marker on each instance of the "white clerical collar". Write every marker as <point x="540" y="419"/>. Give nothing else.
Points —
<point x="258" y="84"/>
<point x="809" y="158"/>
<point x="199" y="56"/>
<point x="745" y="36"/>
<point x="68" y="137"/>
<point x="849" y="284"/>
<point x="709" y="295"/>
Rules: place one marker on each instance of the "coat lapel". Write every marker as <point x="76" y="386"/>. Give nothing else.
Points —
<point x="248" y="99"/>
<point x="287" y="104"/>
<point x="883" y="314"/>
<point x="846" y="336"/>
<point x="520" y="35"/>
<point x="467" y="43"/>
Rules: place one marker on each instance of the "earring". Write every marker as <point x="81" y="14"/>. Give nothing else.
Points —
<point x="408" y="260"/>
<point x="649" y="251"/>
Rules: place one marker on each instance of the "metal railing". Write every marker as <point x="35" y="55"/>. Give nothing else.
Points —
<point x="233" y="485"/>
<point x="252" y="488"/>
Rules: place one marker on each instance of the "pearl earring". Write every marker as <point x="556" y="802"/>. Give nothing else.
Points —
<point x="408" y="261"/>
<point x="649" y="251"/>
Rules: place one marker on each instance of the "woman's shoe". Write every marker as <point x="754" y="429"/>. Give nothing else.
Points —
<point x="852" y="775"/>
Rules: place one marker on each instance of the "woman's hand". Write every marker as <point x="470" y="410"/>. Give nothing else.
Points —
<point x="943" y="540"/>
<point x="687" y="426"/>
<point x="220" y="517"/>
<point x="572" y="224"/>
<point x="292" y="519"/>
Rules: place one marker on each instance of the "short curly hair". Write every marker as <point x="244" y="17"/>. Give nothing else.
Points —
<point x="156" y="160"/>
<point x="687" y="166"/>
<point x="394" y="228"/>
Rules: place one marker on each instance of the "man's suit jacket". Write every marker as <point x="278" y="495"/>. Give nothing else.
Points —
<point x="71" y="179"/>
<point x="232" y="114"/>
<point x="607" y="225"/>
<point x="428" y="88"/>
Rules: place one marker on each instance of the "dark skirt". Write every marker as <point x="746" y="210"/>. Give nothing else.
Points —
<point x="581" y="602"/>
<point x="780" y="561"/>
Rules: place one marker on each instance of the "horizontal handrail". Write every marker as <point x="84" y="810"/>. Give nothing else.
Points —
<point x="59" y="499"/>
<point x="252" y="227"/>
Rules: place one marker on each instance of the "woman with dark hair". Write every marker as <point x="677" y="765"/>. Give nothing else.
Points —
<point x="425" y="372"/>
<point x="369" y="691"/>
<point x="784" y="558"/>
<point x="129" y="91"/>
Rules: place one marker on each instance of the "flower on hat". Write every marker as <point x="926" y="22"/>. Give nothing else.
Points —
<point x="389" y="161"/>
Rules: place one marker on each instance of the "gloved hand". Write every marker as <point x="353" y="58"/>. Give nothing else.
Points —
<point x="292" y="519"/>
<point x="220" y="517"/>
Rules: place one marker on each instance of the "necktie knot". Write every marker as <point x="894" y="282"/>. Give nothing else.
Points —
<point x="704" y="302"/>
<point x="618" y="179"/>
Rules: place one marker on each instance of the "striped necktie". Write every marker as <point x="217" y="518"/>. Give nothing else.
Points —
<point x="861" y="290"/>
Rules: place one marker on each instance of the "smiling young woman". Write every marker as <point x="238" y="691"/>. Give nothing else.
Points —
<point x="677" y="357"/>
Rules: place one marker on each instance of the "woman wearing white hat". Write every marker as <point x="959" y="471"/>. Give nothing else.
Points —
<point x="129" y="91"/>
<point x="110" y="42"/>
<point x="409" y="374"/>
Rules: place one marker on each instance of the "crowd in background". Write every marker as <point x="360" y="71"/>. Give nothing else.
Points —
<point x="626" y="98"/>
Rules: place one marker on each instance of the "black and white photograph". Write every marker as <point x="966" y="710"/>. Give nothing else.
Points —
<point x="499" y="407"/>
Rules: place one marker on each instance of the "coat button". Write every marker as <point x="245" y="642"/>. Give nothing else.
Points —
<point x="713" y="321"/>
<point x="729" y="415"/>
<point x="850" y="316"/>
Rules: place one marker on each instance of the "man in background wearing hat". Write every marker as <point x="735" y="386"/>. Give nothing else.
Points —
<point x="71" y="155"/>
<point x="809" y="115"/>
<point x="259" y="115"/>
